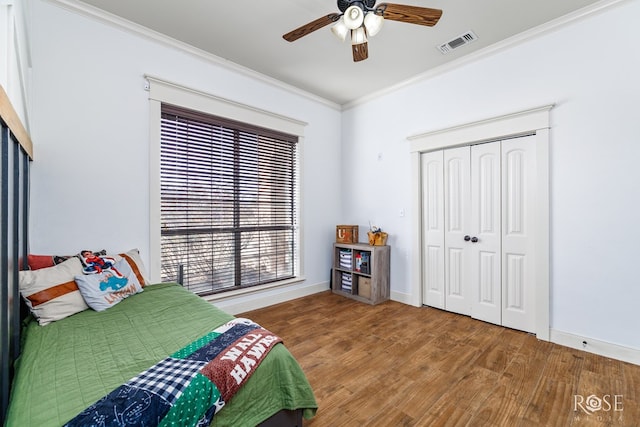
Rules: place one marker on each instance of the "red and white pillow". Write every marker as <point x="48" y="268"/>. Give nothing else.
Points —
<point x="51" y="293"/>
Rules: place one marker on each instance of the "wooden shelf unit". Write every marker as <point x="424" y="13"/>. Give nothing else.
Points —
<point x="365" y="268"/>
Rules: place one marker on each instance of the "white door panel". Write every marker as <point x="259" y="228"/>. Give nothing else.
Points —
<point x="518" y="189"/>
<point x="486" y="232"/>
<point x="457" y="222"/>
<point x="433" y="229"/>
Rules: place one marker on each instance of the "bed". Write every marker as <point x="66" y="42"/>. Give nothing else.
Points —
<point x="60" y="356"/>
<point x="69" y="364"/>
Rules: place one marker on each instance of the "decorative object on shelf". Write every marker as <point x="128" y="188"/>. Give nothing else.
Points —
<point x="377" y="237"/>
<point x="346" y="233"/>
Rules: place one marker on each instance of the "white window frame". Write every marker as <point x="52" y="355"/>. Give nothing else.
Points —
<point x="160" y="92"/>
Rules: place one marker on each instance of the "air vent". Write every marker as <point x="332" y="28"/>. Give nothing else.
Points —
<point x="457" y="42"/>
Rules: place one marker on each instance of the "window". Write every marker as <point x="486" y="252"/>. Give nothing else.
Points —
<point x="228" y="202"/>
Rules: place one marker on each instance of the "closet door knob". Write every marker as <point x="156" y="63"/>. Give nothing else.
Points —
<point x="474" y="239"/>
<point x="467" y="238"/>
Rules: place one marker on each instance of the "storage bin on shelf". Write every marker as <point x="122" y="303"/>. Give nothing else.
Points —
<point x="364" y="287"/>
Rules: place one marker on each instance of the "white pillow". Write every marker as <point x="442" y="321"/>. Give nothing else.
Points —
<point x="51" y="293"/>
<point x="106" y="289"/>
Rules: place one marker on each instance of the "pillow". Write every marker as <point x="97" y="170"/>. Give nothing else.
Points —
<point x="135" y="262"/>
<point x="36" y="262"/>
<point x="51" y="293"/>
<point x="106" y="289"/>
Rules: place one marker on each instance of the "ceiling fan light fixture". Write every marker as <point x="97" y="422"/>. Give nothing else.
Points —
<point x="363" y="19"/>
<point x="358" y="36"/>
<point x="373" y="23"/>
<point x="340" y="30"/>
<point x="353" y="17"/>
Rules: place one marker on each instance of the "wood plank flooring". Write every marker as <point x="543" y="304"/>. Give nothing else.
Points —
<point x="397" y="365"/>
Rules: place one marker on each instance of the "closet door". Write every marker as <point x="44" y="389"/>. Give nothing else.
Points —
<point x="518" y="191"/>
<point x="457" y="250"/>
<point x="433" y="229"/>
<point x="486" y="233"/>
<point x="478" y="231"/>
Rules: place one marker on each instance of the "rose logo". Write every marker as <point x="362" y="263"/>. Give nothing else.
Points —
<point x="593" y="403"/>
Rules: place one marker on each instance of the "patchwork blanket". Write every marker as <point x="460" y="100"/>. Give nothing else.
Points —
<point x="189" y="387"/>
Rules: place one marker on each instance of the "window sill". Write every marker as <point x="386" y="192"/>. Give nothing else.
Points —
<point x="252" y="290"/>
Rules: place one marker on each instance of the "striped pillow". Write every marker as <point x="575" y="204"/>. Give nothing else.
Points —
<point x="51" y="293"/>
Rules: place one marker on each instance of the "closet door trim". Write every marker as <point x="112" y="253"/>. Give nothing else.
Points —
<point x="536" y="122"/>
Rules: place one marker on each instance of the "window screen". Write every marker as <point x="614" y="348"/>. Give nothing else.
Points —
<point x="228" y="202"/>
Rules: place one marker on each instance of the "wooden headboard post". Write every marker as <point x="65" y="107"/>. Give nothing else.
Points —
<point x="16" y="155"/>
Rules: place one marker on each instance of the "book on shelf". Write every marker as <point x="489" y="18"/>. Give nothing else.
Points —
<point x="364" y="264"/>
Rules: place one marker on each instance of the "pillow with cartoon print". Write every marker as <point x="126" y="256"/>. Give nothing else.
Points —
<point x="107" y="288"/>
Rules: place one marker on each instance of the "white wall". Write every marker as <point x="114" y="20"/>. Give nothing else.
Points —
<point x="90" y="182"/>
<point x="590" y="70"/>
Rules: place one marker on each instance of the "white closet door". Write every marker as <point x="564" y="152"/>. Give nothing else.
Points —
<point x="457" y="209"/>
<point x="486" y="233"/>
<point x="518" y="190"/>
<point x="433" y="229"/>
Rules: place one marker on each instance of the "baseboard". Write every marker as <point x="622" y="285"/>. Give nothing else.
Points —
<point x="404" y="298"/>
<point x="591" y="345"/>
<point x="261" y="299"/>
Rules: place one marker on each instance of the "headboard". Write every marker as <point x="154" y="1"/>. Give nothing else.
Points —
<point x="16" y="155"/>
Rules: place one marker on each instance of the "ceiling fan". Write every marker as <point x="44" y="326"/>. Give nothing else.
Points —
<point x="362" y="18"/>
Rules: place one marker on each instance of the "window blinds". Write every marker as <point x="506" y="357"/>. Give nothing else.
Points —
<point x="228" y="202"/>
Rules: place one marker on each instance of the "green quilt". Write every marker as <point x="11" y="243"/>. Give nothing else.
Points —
<point x="68" y="365"/>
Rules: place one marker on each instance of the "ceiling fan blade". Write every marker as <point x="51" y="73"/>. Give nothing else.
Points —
<point x="311" y="27"/>
<point x="410" y="14"/>
<point x="360" y="51"/>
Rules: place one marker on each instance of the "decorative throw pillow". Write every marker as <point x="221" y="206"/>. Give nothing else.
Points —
<point x="51" y="293"/>
<point x="106" y="289"/>
<point x="135" y="262"/>
<point x="36" y="262"/>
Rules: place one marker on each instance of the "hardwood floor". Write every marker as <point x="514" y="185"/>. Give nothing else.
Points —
<point x="397" y="365"/>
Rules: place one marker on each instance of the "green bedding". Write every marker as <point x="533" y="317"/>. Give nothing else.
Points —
<point x="69" y="364"/>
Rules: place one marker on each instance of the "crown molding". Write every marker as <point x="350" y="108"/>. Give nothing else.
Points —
<point x="139" y="30"/>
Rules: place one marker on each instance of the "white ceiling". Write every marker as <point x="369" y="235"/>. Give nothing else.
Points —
<point x="249" y="33"/>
